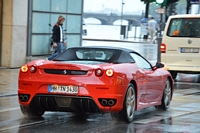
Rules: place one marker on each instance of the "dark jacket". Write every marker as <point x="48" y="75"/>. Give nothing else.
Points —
<point x="56" y="33"/>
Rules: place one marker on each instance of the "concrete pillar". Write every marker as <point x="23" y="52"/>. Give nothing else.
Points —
<point x="14" y="33"/>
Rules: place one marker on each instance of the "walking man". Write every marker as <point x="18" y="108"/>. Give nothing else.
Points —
<point x="152" y="25"/>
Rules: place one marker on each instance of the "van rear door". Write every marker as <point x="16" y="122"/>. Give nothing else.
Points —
<point x="182" y="43"/>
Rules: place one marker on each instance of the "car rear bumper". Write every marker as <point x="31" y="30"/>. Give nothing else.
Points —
<point x="64" y="103"/>
<point x="74" y="104"/>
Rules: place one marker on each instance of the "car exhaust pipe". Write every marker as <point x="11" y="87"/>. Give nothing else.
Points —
<point x="111" y="102"/>
<point x="25" y="98"/>
<point x="104" y="102"/>
<point x="21" y="98"/>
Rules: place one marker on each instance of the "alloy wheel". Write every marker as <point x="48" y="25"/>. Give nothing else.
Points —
<point x="130" y="103"/>
<point x="167" y="94"/>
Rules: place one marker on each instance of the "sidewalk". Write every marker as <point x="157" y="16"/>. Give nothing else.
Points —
<point x="8" y="82"/>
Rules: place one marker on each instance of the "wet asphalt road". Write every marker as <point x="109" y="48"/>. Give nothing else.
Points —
<point x="183" y="115"/>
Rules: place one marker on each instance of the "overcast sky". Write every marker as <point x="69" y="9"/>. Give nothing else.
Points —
<point x="129" y="6"/>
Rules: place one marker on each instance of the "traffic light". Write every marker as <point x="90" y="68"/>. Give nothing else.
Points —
<point x="160" y="2"/>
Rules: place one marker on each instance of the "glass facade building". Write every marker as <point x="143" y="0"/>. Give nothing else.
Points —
<point x="43" y="13"/>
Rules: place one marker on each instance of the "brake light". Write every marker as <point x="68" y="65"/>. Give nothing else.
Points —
<point x="98" y="72"/>
<point x="109" y="72"/>
<point x="33" y="69"/>
<point x="162" y="48"/>
<point x="24" y="68"/>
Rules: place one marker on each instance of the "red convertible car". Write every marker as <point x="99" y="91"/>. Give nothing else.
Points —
<point x="94" y="79"/>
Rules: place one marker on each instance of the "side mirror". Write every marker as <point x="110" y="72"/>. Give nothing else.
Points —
<point x="160" y="65"/>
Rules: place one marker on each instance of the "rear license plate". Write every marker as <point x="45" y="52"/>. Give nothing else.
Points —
<point x="63" y="89"/>
<point x="189" y="50"/>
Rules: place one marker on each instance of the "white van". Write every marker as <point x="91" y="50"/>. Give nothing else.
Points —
<point x="181" y="43"/>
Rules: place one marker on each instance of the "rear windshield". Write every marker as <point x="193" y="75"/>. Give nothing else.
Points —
<point x="184" y="27"/>
<point x="94" y="54"/>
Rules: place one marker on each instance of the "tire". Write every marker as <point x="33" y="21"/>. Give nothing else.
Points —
<point x="30" y="113"/>
<point x="129" y="105"/>
<point x="166" y="98"/>
<point x="126" y="115"/>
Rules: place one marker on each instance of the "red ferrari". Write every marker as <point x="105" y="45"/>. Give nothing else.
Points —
<point x="94" y="79"/>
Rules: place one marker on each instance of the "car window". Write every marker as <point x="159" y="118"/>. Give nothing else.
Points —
<point x="141" y="62"/>
<point x="94" y="54"/>
<point x="184" y="27"/>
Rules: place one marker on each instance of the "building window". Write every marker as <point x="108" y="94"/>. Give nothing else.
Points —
<point x="74" y="6"/>
<point x="41" y="5"/>
<point x="59" y="5"/>
<point x="44" y="13"/>
<point x="40" y="22"/>
<point x="73" y="24"/>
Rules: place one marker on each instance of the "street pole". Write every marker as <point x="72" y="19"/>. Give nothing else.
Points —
<point x="121" y="30"/>
<point x="122" y="11"/>
<point x="199" y="7"/>
<point x="161" y="21"/>
<point x="159" y="37"/>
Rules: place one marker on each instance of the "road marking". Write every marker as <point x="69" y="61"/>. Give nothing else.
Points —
<point x="21" y="126"/>
<point x="8" y="95"/>
<point x="9" y="109"/>
<point x="157" y="117"/>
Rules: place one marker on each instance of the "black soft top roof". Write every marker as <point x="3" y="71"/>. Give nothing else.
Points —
<point x="121" y="55"/>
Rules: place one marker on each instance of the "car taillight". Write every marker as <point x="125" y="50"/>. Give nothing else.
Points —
<point x="24" y="68"/>
<point x="109" y="72"/>
<point x="162" y="48"/>
<point x="98" y="72"/>
<point x="33" y="69"/>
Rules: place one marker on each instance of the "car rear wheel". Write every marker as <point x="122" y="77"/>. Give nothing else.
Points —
<point x="128" y="110"/>
<point x="29" y="112"/>
<point x="166" y="98"/>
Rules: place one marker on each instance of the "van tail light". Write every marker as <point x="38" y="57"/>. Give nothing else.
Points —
<point x="162" y="48"/>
